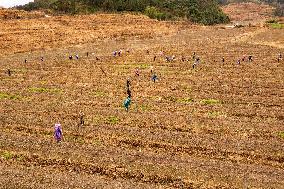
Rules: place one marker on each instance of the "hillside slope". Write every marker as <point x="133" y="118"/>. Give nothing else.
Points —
<point x="205" y="11"/>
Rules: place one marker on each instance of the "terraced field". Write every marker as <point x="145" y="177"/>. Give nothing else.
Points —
<point x="220" y="125"/>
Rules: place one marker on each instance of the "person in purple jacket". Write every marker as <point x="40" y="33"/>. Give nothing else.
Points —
<point x="58" y="132"/>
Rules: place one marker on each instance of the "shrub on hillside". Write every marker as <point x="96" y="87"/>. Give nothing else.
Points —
<point x="201" y="11"/>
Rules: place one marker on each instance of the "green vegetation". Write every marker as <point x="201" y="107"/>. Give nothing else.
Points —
<point x="9" y="96"/>
<point x="99" y="94"/>
<point x="145" y="107"/>
<point x="214" y="114"/>
<point x="112" y="120"/>
<point x="44" y="90"/>
<point x="184" y="100"/>
<point x="281" y="134"/>
<point x="277" y="26"/>
<point x="210" y="101"/>
<point x="144" y="66"/>
<point x="7" y="155"/>
<point x="201" y="11"/>
<point x="274" y="23"/>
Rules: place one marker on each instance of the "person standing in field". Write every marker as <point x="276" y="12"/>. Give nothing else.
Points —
<point x="128" y="91"/>
<point x="9" y="72"/>
<point x="82" y="120"/>
<point x="58" y="132"/>
<point x="127" y="103"/>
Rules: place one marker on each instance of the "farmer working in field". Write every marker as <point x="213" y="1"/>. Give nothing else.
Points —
<point x="154" y="58"/>
<point x="82" y="120"/>
<point x="238" y="61"/>
<point x="9" y="72"/>
<point x="137" y="72"/>
<point x="154" y="78"/>
<point x="128" y="88"/>
<point x="114" y="53"/>
<point x="250" y="58"/>
<point x="279" y="57"/>
<point x="119" y="52"/>
<point x="127" y="103"/>
<point x="197" y="61"/>
<point x="128" y="83"/>
<point x="58" y="132"/>
<point x="193" y="56"/>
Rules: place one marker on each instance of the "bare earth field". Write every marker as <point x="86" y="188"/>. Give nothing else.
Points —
<point x="220" y="125"/>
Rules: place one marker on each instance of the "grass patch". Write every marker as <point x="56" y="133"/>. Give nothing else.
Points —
<point x="277" y="25"/>
<point x="214" y="114"/>
<point x="274" y="23"/>
<point x="7" y="155"/>
<point x="112" y="120"/>
<point x="144" y="66"/>
<point x="281" y="134"/>
<point x="155" y="98"/>
<point x="184" y="100"/>
<point x="145" y="107"/>
<point x="21" y="70"/>
<point x="99" y="94"/>
<point x="210" y="101"/>
<point x="9" y="96"/>
<point x="44" y="90"/>
<point x="97" y="142"/>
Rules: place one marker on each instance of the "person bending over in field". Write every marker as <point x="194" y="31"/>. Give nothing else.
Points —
<point x="250" y="58"/>
<point x="127" y="103"/>
<point x="9" y="72"/>
<point x="223" y="59"/>
<point x="193" y="56"/>
<point x="137" y="72"/>
<point x="77" y="56"/>
<point x="154" y="58"/>
<point x="238" y="61"/>
<point x="82" y="120"/>
<point x="119" y="52"/>
<point x="26" y="60"/>
<point x="58" y="132"/>
<point x="279" y="57"/>
<point x="154" y="78"/>
<point x="244" y="58"/>
<point x="70" y="57"/>
<point x="151" y="69"/>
